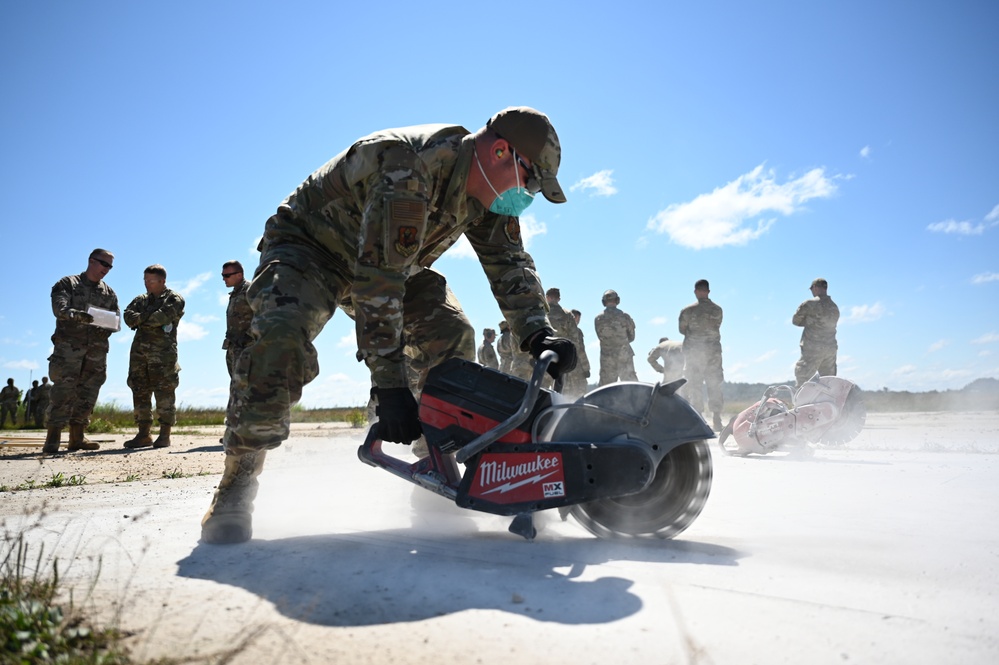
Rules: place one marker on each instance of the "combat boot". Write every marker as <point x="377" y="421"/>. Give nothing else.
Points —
<point x="229" y="518"/>
<point x="78" y="440"/>
<point x="52" y="438"/>
<point x="142" y="439"/>
<point x="163" y="440"/>
<point x="717" y="422"/>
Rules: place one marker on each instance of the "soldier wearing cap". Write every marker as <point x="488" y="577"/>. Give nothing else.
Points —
<point x="700" y="325"/>
<point x="504" y="347"/>
<point x="616" y="331"/>
<point x="818" y="316"/>
<point x="78" y="364"/>
<point x="487" y="354"/>
<point x="670" y="352"/>
<point x="361" y="234"/>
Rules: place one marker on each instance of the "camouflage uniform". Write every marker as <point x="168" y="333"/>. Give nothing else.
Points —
<point x="671" y="354"/>
<point x="238" y="316"/>
<point x="152" y="362"/>
<point x="574" y="383"/>
<point x="818" y="316"/>
<point x="616" y="332"/>
<point x="360" y="234"/>
<point x="504" y="347"/>
<point x="487" y="355"/>
<point x="10" y="399"/>
<point x="700" y="325"/>
<point x="78" y="364"/>
<point x="40" y="402"/>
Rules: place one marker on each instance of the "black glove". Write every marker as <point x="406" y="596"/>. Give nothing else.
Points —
<point x="398" y="415"/>
<point x="566" y="350"/>
<point x="80" y="316"/>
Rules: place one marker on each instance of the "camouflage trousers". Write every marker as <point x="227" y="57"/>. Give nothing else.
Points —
<point x="703" y="370"/>
<point x="617" y="363"/>
<point x="38" y="412"/>
<point x="290" y="309"/>
<point x="575" y="384"/>
<point x="77" y="377"/>
<point x="821" y="359"/>
<point x="147" y="379"/>
<point x="11" y="408"/>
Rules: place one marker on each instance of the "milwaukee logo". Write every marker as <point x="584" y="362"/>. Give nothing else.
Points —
<point x="495" y="476"/>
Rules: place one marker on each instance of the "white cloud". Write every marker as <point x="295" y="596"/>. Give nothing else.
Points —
<point x="203" y="318"/>
<point x="21" y="364"/>
<point x="936" y="346"/>
<point x="659" y="321"/>
<point x="960" y="228"/>
<point x="987" y="338"/>
<point x="993" y="217"/>
<point x="188" y="332"/>
<point x="193" y="284"/>
<point x="726" y="215"/>
<point x="348" y="341"/>
<point x="252" y="251"/>
<point x="904" y="370"/>
<point x="865" y="313"/>
<point x="865" y="152"/>
<point x="600" y="182"/>
<point x="985" y="277"/>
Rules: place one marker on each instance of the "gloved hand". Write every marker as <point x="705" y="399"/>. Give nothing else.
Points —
<point x="80" y="316"/>
<point x="566" y="350"/>
<point x="398" y="415"/>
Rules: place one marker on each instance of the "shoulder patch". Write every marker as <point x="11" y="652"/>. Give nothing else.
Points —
<point x="512" y="230"/>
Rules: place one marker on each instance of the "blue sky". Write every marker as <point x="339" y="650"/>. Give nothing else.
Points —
<point x="757" y="145"/>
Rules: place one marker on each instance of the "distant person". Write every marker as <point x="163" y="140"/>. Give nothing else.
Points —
<point x="238" y="314"/>
<point x="40" y="400"/>
<point x="818" y="316"/>
<point x="700" y="325"/>
<point x="574" y="382"/>
<point x="579" y="378"/>
<point x="30" y="402"/>
<point x="670" y="352"/>
<point x="616" y="331"/>
<point x="504" y="347"/>
<point x="78" y="364"/>
<point x="486" y="353"/>
<point x="10" y="400"/>
<point x="152" y="361"/>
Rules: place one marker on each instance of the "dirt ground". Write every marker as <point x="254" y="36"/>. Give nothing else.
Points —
<point x="194" y="452"/>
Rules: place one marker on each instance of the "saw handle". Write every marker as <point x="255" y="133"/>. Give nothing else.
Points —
<point x="489" y="437"/>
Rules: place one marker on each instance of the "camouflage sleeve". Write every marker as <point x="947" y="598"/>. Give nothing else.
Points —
<point x="62" y="292"/>
<point x="393" y="227"/>
<point x="169" y="311"/>
<point x="683" y="322"/>
<point x="631" y="327"/>
<point x="511" y="273"/>
<point x="800" y="317"/>
<point x="133" y="313"/>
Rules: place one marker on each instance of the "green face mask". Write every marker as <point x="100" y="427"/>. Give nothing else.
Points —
<point x="514" y="201"/>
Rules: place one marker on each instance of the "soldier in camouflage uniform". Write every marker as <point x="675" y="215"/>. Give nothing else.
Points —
<point x="40" y="401"/>
<point x="700" y="325"/>
<point x="238" y="314"/>
<point x="616" y="332"/>
<point x="10" y="400"/>
<point x="360" y="234"/>
<point x="671" y="354"/>
<point x="574" y="384"/>
<point x="152" y="361"/>
<point x="818" y="316"/>
<point x="504" y="347"/>
<point x="30" y="402"/>
<point x="78" y="364"/>
<point x="487" y="354"/>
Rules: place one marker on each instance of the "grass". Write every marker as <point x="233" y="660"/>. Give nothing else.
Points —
<point x="111" y="417"/>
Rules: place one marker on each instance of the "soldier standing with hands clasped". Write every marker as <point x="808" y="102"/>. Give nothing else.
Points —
<point x="818" y="316"/>
<point x="616" y="331"/>
<point x="152" y="362"/>
<point x="700" y="325"/>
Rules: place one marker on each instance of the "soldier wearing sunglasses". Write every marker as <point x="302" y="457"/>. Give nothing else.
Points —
<point x="361" y="234"/>
<point x="78" y="364"/>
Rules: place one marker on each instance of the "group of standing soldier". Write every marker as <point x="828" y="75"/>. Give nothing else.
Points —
<point x="36" y="402"/>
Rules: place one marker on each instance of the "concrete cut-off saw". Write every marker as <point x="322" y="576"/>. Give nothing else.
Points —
<point x="628" y="459"/>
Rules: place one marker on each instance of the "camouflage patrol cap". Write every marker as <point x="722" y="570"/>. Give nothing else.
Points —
<point x="503" y="325"/>
<point x="532" y="135"/>
<point x="821" y="283"/>
<point x="486" y="332"/>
